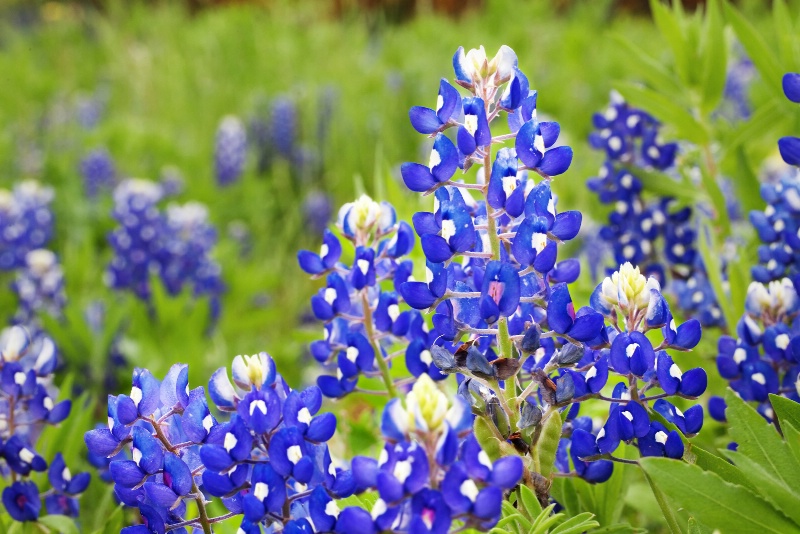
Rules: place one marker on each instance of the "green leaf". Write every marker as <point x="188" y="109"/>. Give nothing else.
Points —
<point x="576" y="525"/>
<point x="653" y="71"/>
<point x="711" y="259"/>
<point x="670" y="514"/>
<point x="759" y="441"/>
<point x="529" y="501"/>
<point x="59" y="523"/>
<point x="787" y="410"/>
<point x="783" y="497"/>
<point x="784" y="32"/>
<point x="666" y="110"/>
<point x="695" y="527"/>
<point x="792" y="437"/>
<point x="714" y="58"/>
<point x="758" y="50"/>
<point x="670" y="28"/>
<point x="712" y="501"/>
<point x="710" y="462"/>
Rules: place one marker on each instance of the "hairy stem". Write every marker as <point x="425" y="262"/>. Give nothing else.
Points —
<point x="382" y="365"/>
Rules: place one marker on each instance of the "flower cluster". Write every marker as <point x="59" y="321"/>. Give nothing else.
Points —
<point x="764" y="358"/>
<point x="98" y="171"/>
<point x="779" y="223"/>
<point x="362" y="320"/>
<point x="230" y="150"/>
<point x="176" y="244"/>
<point x="26" y="222"/>
<point x="636" y="228"/>
<point x="267" y="462"/>
<point x="509" y="294"/>
<point x="432" y="471"/>
<point x="27" y="404"/>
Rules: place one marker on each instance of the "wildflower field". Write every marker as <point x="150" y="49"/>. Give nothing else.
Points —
<point x="353" y="267"/>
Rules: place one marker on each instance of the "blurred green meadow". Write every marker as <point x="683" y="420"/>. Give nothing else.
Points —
<point x="167" y="78"/>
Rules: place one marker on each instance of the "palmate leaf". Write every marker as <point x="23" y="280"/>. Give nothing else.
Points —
<point x="712" y="500"/>
<point x="760" y="442"/>
<point x="543" y="521"/>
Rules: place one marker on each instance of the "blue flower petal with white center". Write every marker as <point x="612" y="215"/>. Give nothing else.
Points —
<point x="529" y="144"/>
<point x="685" y="337"/>
<point x="363" y="272"/>
<point x="503" y="181"/>
<point x="197" y="420"/>
<point x="323" y="511"/>
<point x="145" y="391"/>
<point x="597" y="376"/>
<point x="174" y="389"/>
<point x="669" y="375"/>
<point x="220" y="389"/>
<point x="789" y="148"/>
<point x="791" y="86"/>
<point x="288" y="455"/>
<point x="556" y="161"/>
<point x="148" y="453"/>
<point x="689" y="422"/>
<point x="530" y="241"/>
<point x="461" y="68"/>
<point x="608" y="437"/>
<point x="657" y="310"/>
<point x="500" y="292"/>
<point x="632" y="353"/>
<point x="329" y="254"/>
<point x="475" y="131"/>
<point x="260" y="410"/>
<point x="63" y="481"/>
<point x="516" y="91"/>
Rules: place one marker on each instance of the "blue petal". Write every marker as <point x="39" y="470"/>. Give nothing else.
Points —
<point x="447" y="156"/>
<point x="560" y="312"/>
<point x="527" y="152"/>
<point x="789" y="147"/>
<point x="556" y="161"/>
<point x="550" y="131"/>
<point x="424" y="120"/>
<point x="567" y="225"/>
<point x="791" y="86"/>
<point x="417" y="177"/>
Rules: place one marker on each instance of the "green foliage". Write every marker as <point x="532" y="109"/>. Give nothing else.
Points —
<point x="755" y="492"/>
<point x="526" y="516"/>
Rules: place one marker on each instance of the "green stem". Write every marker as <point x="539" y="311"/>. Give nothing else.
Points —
<point x="382" y="365"/>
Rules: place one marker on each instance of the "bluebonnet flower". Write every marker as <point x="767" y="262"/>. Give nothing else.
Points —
<point x="136" y="241"/>
<point x="363" y="320"/>
<point x="28" y="404"/>
<point x="40" y="285"/>
<point x="735" y="104"/>
<point x="26" y="222"/>
<point x="230" y="150"/>
<point x="267" y="462"/>
<point x="98" y="171"/>
<point x="652" y="234"/>
<point x="177" y="245"/>
<point x="493" y="275"/>
<point x="432" y="472"/>
<point x="283" y="127"/>
<point x="764" y="357"/>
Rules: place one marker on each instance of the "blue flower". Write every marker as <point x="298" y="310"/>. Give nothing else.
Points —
<point x="230" y="150"/>
<point x="429" y="121"/>
<point x="21" y="501"/>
